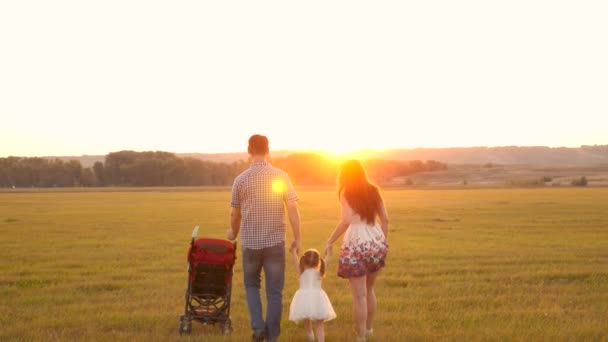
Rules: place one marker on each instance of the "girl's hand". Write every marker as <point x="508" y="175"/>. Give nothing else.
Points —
<point x="293" y="250"/>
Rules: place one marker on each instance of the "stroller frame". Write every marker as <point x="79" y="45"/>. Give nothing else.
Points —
<point x="209" y="303"/>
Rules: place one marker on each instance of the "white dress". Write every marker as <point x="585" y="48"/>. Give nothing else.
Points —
<point x="310" y="301"/>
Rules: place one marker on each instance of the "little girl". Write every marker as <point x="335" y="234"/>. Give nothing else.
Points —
<point x="310" y="303"/>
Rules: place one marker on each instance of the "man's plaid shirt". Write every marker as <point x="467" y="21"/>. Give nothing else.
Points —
<point x="261" y="193"/>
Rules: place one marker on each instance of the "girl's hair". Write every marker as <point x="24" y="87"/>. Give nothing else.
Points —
<point x="361" y="194"/>
<point x="312" y="259"/>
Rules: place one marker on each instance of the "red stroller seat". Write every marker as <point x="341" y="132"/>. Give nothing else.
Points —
<point x="210" y="269"/>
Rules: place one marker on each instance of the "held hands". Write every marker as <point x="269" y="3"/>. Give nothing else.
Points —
<point x="327" y="252"/>
<point x="293" y="251"/>
<point x="295" y="247"/>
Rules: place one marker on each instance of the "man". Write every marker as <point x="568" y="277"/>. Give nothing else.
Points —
<point x="259" y="197"/>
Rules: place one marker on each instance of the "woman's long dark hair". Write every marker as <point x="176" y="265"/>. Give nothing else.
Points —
<point x="361" y="194"/>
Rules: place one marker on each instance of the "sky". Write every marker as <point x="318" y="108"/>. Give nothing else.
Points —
<point x="93" y="77"/>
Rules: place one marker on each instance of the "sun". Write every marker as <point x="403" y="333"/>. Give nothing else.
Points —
<point x="343" y="149"/>
<point x="343" y="154"/>
<point x="336" y="149"/>
<point x="335" y="153"/>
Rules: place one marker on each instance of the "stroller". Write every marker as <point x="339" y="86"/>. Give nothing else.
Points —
<point x="210" y="267"/>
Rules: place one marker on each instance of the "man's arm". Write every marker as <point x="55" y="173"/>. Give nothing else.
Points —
<point x="296" y="261"/>
<point x="235" y="223"/>
<point x="235" y="211"/>
<point x="294" y="221"/>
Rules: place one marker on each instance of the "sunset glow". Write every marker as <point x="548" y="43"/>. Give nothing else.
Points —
<point x="392" y="75"/>
<point x="342" y="154"/>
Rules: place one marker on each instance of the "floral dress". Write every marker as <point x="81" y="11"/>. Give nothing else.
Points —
<point x="363" y="250"/>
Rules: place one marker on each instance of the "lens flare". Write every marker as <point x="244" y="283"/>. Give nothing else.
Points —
<point x="278" y="186"/>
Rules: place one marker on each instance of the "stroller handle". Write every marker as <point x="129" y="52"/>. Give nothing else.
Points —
<point x="195" y="232"/>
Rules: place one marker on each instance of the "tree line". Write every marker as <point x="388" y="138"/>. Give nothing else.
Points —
<point x="130" y="168"/>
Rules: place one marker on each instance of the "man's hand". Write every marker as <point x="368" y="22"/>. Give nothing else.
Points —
<point x="295" y="246"/>
<point x="235" y="224"/>
<point x="230" y="234"/>
<point x="293" y="250"/>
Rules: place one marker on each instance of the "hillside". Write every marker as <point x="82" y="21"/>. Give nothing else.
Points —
<point x="489" y="175"/>
<point x="506" y="155"/>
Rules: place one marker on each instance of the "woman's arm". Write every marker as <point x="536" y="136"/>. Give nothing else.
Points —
<point x="345" y="220"/>
<point x="383" y="218"/>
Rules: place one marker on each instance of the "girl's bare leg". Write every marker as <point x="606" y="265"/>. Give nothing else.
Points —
<point x="319" y="331"/>
<point x="308" y="326"/>
<point x="359" y="293"/>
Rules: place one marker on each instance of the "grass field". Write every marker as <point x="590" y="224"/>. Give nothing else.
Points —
<point x="507" y="264"/>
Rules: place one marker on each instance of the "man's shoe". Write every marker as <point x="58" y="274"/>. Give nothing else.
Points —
<point x="257" y="338"/>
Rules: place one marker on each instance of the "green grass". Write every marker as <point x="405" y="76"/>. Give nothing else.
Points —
<point x="506" y="264"/>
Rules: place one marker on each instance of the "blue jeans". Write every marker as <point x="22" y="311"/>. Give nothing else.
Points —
<point x="272" y="260"/>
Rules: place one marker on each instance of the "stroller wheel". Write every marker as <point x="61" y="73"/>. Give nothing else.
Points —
<point x="185" y="326"/>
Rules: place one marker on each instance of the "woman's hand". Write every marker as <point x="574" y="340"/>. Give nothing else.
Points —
<point x="327" y="250"/>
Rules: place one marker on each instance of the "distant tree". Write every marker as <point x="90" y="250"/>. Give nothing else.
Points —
<point x="73" y="171"/>
<point x="526" y="183"/>
<point x="130" y="168"/>
<point x="40" y="172"/>
<point x="116" y="164"/>
<point x="416" y="166"/>
<point x="580" y="182"/>
<point x="87" y="178"/>
<point x="433" y="165"/>
<point x="99" y="172"/>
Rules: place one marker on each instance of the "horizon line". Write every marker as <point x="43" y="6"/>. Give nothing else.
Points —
<point x="317" y="150"/>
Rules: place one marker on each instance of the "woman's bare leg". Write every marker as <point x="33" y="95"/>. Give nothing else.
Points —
<point x="319" y="331"/>
<point x="371" y="299"/>
<point x="359" y="293"/>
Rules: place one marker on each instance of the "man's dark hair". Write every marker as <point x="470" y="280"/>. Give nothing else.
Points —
<point x="258" y="145"/>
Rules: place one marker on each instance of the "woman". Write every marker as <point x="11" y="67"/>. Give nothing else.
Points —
<point x="364" y="246"/>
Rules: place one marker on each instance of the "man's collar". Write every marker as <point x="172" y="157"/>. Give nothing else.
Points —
<point x="259" y="163"/>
